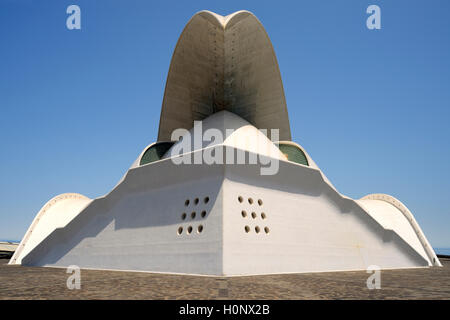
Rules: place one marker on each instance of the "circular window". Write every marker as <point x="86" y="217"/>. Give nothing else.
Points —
<point x="206" y="200"/>
<point x="244" y="214"/>
<point x="250" y="200"/>
<point x="180" y="230"/>
<point x="266" y="230"/>
<point x="263" y="215"/>
<point x="247" y="229"/>
<point x="203" y="214"/>
<point x="183" y="216"/>
<point x="186" y="203"/>
<point x="253" y="215"/>
<point x="240" y="199"/>
<point x="196" y="201"/>
<point x="193" y="215"/>
<point x="200" y="229"/>
<point x="189" y="230"/>
<point x="260" y="202"/>
<point x="257" y="229"/>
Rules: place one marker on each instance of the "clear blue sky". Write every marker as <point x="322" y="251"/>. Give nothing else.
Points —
<point x="371" y="107"/>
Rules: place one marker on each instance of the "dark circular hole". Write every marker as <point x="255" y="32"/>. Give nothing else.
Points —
<point x="260" y="202"/>
<point x="196" y="201"/>
<point x="203" y="214"/>
<point x="263" y="215"/>
<point x="193" y="215"/>
<point x="200" y="229"/>
<point x="183" y="216"/>
<point x="257" y="229"/>
<point x="240" y="199"/>
<point x="250" y="200"/>
<point x="266" y="229"/>
<point x="253" y="215"/>
<point x="206" y="200"/>
<point x="189" y="230"/>
<point x="186" y="203"/>
<point x="180" y="230"/>
<point x="247" y="229"/>
<point x="244" y="214"/>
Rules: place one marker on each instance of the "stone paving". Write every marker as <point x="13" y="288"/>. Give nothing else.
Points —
<point x="17" y="282"/>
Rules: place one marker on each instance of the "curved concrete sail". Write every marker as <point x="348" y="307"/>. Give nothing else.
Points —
<point x="224" y="63"/>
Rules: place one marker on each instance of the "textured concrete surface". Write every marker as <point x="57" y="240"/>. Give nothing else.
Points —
<point x="229" y="66"/>
<point x="17" y="282"/>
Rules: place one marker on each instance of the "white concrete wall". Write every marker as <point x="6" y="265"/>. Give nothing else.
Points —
<point x="135" y="226"/>
<point x="312" y="227"/>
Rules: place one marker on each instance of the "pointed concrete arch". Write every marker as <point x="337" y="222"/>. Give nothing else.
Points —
<point x="224" y="63"/>
<point x="56" y="213"/>
<point x="390" y="218"/>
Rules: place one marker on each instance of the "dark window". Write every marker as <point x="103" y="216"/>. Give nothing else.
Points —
<point x="155" y="152"/>
<point x="293" y="153"/>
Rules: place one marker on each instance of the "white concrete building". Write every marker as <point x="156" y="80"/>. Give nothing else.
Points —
<point x="223" y="218"/>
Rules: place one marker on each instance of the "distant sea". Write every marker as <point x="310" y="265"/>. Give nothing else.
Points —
<point x="7" y="240"/>
<point x="445" y="251"/>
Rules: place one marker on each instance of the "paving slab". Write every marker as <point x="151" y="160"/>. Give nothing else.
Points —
<point x="19" y="282"/>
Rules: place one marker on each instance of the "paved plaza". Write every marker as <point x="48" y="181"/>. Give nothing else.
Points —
<point x="18" y="282"/>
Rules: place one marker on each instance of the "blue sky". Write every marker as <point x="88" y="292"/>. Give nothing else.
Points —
<point x="372" y="107"/>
